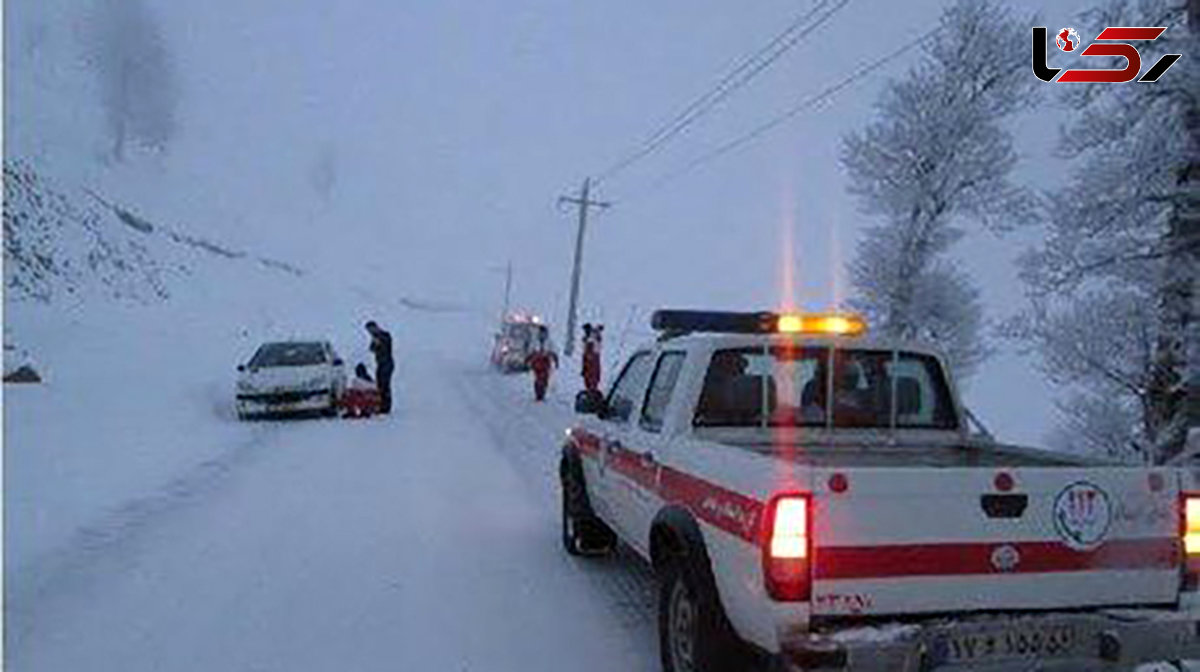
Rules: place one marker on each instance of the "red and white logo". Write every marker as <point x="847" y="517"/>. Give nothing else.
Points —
<point x="1067" y="39"/>
<point x="1082" y="515"/>
<point x="1112" y="41"/>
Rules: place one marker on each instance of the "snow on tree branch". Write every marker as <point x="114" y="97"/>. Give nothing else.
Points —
<point x="937" y="158"/>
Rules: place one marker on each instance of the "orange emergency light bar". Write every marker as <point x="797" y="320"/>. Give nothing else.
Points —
<point x="816" y="324"/>
<point x="833" y="324"/>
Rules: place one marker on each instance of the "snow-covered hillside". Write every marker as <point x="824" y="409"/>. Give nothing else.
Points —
<point x="60" y="243"/>
<point x="56" y="246"/>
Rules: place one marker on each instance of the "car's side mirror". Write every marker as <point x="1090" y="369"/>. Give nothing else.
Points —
<point x="337" y="361"/>
<point x="620" y="409"/>
<point x="589" y="402"/>
<point x="241" y="367"/>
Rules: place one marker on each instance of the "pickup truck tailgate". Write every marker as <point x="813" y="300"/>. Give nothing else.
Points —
<point x="920" y="540"/>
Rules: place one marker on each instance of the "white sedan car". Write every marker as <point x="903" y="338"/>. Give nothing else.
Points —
<point x="289" y="377"/>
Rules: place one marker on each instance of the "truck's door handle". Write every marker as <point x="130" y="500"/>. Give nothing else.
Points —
<point x="1004" y="506"/>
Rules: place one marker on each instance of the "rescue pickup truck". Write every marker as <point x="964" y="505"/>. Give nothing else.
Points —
<point x="813" y="499"/>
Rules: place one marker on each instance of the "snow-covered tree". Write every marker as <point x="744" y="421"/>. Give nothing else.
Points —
<point x="937" y="303"/>
<point x="323" y="174"/>
<point x="132" y="63"/>
<point x="1115" y="278"/>
<point x="936" y="157"/>
<point x="1097" y="347"/>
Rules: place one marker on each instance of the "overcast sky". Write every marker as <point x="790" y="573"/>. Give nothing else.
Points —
<point x="453" y="127"/>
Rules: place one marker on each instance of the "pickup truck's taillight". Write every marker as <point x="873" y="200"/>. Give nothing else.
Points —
<point x="1191" y="525"/>
<point x="787" y="548"/>
<point x="1190" y="532"/>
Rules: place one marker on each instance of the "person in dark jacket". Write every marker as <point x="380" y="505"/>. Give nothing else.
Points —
<point x="381" y="347"/>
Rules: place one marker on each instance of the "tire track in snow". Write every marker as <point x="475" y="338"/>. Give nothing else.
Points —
<point x="111" y="544"/>
<point x="530" y="436"/>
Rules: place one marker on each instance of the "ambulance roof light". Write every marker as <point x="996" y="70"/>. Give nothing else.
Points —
<point x="765" y="322"/>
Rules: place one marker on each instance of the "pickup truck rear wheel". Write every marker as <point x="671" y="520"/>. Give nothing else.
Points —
<point x="582" y="532"/>
<point x="694" y="635"/>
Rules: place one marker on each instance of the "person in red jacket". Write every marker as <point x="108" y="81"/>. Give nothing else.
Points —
<point x="361" y="398"/>
<point x="541" y="361"/>
<point x="591" y="357"/>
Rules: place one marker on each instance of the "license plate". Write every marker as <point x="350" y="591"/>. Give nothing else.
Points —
<point x="1014" y="641"/>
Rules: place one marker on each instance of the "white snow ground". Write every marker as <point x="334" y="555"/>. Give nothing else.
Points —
<point x="427" y="540"/>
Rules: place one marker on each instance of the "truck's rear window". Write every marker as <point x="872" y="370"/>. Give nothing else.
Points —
<point x="781" y="386"/>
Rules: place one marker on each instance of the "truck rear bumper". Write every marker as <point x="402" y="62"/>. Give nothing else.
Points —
<point x="1107" y="640"/>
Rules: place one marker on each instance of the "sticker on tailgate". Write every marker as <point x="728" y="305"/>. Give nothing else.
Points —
<point x="1082" y="515"/>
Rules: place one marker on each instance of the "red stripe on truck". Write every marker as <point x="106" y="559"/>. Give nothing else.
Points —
<point x="587" y="443"/>
<point x="957" y="559"/>
<point x="730" y="511"/>
<point x="725" y="509"/>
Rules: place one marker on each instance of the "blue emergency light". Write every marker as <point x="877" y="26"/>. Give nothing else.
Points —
<point x="679" y="321"/>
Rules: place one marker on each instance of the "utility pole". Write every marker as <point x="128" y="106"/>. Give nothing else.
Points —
<point x="583" y="201"/>
<point x="507" y="270"/>
<point x="507" y="289"/>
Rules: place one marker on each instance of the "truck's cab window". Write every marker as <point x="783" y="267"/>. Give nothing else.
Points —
<point x="745" y="384"/>
<point x="661" y="387"/>
<point x="790" y="386"/>
<point x="628" y="388"/>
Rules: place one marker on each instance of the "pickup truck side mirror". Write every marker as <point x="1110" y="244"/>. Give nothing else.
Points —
<point x="589" y="402"/>
<point x="620" y="409"/>
<point x="241" y="367"/>
<point x="337" y="361"/>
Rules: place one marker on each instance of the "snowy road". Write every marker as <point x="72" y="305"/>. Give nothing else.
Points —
<point x="425" y="541"/>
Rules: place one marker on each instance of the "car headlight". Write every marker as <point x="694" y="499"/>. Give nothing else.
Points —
<point x="244" y="386"/>
<point x="318" y="383"/>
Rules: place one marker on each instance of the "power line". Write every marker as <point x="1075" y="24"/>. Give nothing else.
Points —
<point x="805" y="104"/>
<point x="737" y="78"/>
<point x="741" y="74"/>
